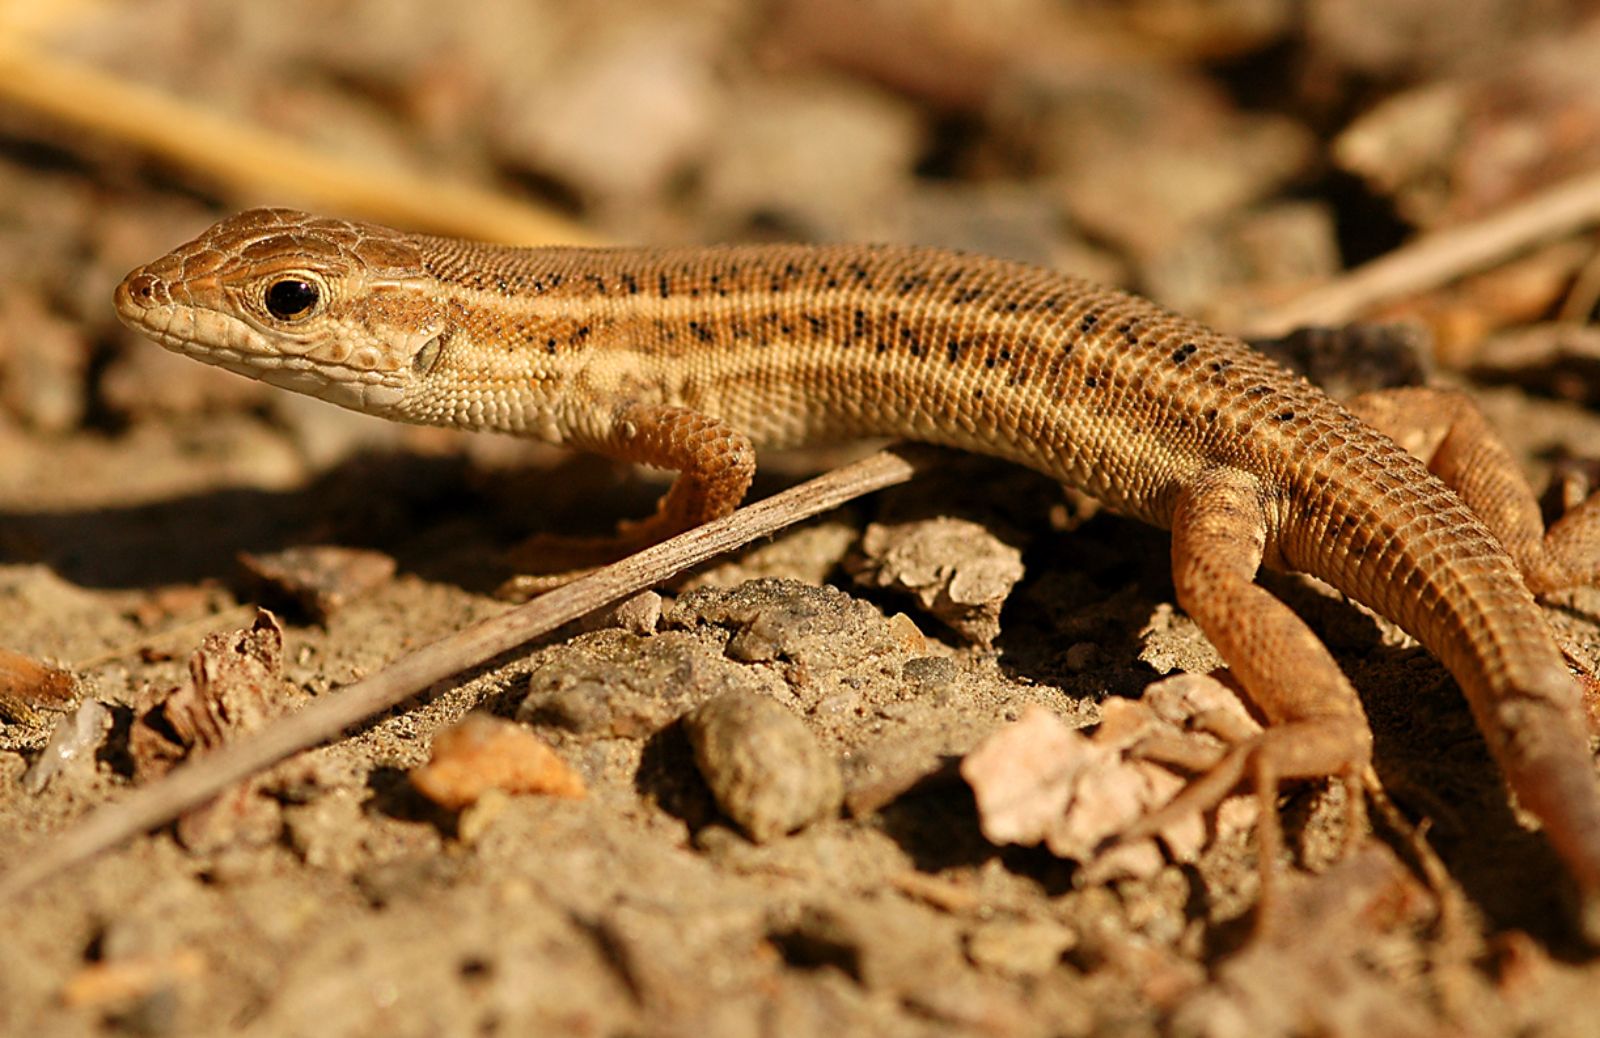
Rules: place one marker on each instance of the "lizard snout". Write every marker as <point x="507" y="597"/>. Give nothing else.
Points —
<point x="140" y="291"/>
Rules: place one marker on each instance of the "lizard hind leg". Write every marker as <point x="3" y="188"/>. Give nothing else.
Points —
<point x="1315" y="724"/>
<point x="1445" y="429"/>
<point x="1573" y="541"/>
<point x="715" y="465"/>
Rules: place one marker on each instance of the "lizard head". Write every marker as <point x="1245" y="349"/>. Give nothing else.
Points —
<point x="332" y="308"/>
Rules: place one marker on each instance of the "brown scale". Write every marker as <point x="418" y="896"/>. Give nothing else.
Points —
<point x="690" y="359"/>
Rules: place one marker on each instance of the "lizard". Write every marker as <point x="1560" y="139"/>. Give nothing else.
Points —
<point x="692" y="358"/>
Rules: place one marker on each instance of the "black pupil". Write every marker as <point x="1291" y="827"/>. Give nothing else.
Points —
<point x="290" y="297"/>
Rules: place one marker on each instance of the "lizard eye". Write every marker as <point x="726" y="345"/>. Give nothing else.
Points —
<point x="290" y="298"/>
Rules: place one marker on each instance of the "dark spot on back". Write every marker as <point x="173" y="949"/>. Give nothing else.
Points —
<point x="1183" y="353"/>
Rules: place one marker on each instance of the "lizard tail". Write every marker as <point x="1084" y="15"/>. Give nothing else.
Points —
<point x="1496" y="642"/>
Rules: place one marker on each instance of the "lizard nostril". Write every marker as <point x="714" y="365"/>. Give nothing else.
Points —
<point x="142" y="289"/>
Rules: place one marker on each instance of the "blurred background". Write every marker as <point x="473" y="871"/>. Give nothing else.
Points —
<point x="1221" y="156"/>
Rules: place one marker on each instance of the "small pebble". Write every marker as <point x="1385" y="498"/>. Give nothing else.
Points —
<point x="1021" y="948"/>
<point x="72" y="744"/>
<point x="640" y="615"/>
<point x="765" y="768"/>
<point x="928" y="674"/>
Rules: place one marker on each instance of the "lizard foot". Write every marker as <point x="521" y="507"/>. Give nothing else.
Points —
<point x="1262" y="758"/>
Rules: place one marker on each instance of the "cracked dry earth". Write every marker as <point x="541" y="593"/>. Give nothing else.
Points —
<point x="354" y="905"/>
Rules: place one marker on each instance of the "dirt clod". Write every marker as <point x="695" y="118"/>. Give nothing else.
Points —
<point x="956" y="569"/>
<point x="763" y="765"/>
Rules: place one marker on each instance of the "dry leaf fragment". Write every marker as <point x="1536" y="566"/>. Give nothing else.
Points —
<point x="1039" y="781"/>
<point x="235" y="686"/>
<point x="485" y="753"/>
<point x="321" y="578"/>
<point x="27" y="686"/>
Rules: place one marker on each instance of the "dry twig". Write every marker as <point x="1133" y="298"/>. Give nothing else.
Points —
<point x="197" y="782"/>
<point x="256" y="164"/>
<point x="1440" y="257"/>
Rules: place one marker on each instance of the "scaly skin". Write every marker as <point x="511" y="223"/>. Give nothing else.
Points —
<point x="690" y="358"/>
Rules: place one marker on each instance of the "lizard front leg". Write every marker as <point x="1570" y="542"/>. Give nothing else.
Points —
<point x="715" y="464"/>
<point x="1315" y="724"/>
